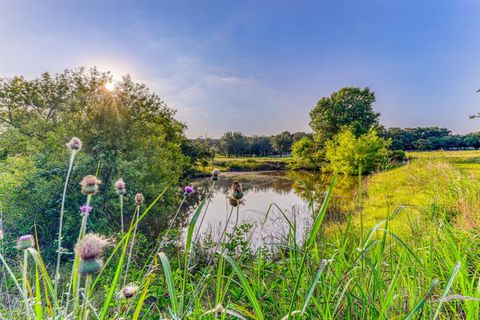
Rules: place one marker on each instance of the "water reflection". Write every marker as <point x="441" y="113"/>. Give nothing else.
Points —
<point x="295" y="193"/>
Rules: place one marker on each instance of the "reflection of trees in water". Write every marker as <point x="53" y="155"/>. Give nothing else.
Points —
<point x="313" y="186"/>
<point x="306" y="185"/>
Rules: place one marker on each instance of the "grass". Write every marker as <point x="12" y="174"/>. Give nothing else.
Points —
<point x="418" y="259"/>
<point x="246" y="164"/>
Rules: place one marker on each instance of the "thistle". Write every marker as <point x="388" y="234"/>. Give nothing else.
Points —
<point x="219" y="309"/>
<point x="129" y="291"/>
<point x="85" y="209"/>
<point x="188" y="190"/>
<point x="139" y="199"/>
<point x="25" y="242"/>
<point x="121" y="187"/>
<point x="75" y="144"/>
<point x="90" y="250"/>
<point x="90" y="184"/>
<point x="235" y="196"/>
<point x="237" y="190"/>
<point x="215" y="174"/>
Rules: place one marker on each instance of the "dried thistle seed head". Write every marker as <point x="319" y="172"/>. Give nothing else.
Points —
<point x="75" y="144"/>
<point x="139" y="199"/>
<point x="219" y="309"/>
<point x="25" y="242"/>
<point x="90" y="184"/>
<point x="215" y="174"/>
<point x="121" y="187"/>
<point x="90" y="266"/>
<point x="129" y="291"/>
<point x="91" y="246"/>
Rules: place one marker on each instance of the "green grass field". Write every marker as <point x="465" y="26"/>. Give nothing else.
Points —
<point x="246" y="164"/>
<point x="409" y="249"/>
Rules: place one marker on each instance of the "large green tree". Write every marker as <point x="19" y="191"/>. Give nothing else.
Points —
<point x="127" y="132"/>
<point x="351" y="107"/>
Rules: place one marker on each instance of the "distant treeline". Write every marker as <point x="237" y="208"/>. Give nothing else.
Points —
<point x="238" y="144"/>
<point x="420" y="138"/>
<point x="429" y="138"/>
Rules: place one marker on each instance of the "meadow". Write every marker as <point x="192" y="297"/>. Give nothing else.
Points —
<point x="408" y="249"/>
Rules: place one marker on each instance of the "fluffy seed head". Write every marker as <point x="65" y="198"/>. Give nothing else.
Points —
<point x="237" y="190"/>
<point x="219" y="310"/>
<point x="121" y="187"/>
<point x="139" y="199"/>
<point x="129" y="291"/>
<point x="74" y="144"/>
<point x="90" y="184"/>
<point x="25" y="242"/>
<point x="91" y="246"/>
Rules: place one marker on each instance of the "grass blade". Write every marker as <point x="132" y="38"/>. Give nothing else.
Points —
<point x="170" y="282"/>
<point x="246" y="286"/>
<point x="455" y="270"/>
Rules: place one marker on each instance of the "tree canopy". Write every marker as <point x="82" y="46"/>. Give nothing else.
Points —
<point x="127" y="133"/>
<point x="351" y="107"/>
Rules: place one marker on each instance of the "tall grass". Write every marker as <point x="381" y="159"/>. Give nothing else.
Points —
<point x="386" y="271"/>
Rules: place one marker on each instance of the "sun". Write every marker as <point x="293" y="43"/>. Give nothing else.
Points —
<point x="109" y="86"/>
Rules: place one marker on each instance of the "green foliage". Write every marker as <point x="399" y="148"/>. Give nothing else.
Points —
<point x="128" y="133"/>
<point x="350" y="107"/>
<point x="306" y="155"/>
<point x="348" y="154"/>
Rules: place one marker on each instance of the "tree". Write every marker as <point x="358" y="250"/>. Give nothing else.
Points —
<point x="127" y="133"/>
<point x="260" y="145"/>
<point x="234" y="143"/>
<point x="282" y="142"/>
<point x="348" y="107"/>
<point x="305" y="154"/>
<point x="350" y="155"/>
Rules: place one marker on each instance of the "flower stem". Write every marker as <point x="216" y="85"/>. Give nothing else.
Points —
<point x="76" y="261"/>
<point x="131" y="245"/>
<point x="24" y="282"/>
<point x="121" y="213"/>
<point x="62" y="210"/>
<point x="85" y="297"/>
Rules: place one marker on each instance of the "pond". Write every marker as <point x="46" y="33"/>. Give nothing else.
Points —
<point x="270" y="198"/>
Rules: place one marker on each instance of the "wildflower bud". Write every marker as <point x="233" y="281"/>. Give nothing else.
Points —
<point x="139" y="199"/>
<point x="129" y="291"/>
<point x="215" y="174"/>
<point x="25" y="242"/>
<point x="89" y="267"/>
<point x="237" y="190"/>
<point x="121" y="187"/>
<point x="74" y="144"/>
<point x="219" y="310"/>
<point x="188" y="190"/>
<point x="90" y="184"/>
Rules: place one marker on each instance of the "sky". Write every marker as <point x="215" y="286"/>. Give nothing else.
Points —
<point x="259" y="67"/>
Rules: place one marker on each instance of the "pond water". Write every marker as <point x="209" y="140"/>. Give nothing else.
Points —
<point x="265" y="194"/>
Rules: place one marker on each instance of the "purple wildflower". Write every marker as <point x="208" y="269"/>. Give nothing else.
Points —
<point x="189" y="189"/>
<point x="85" y="209"/>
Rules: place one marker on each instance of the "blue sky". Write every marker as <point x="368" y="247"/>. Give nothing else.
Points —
<point x="260" y="66"/>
